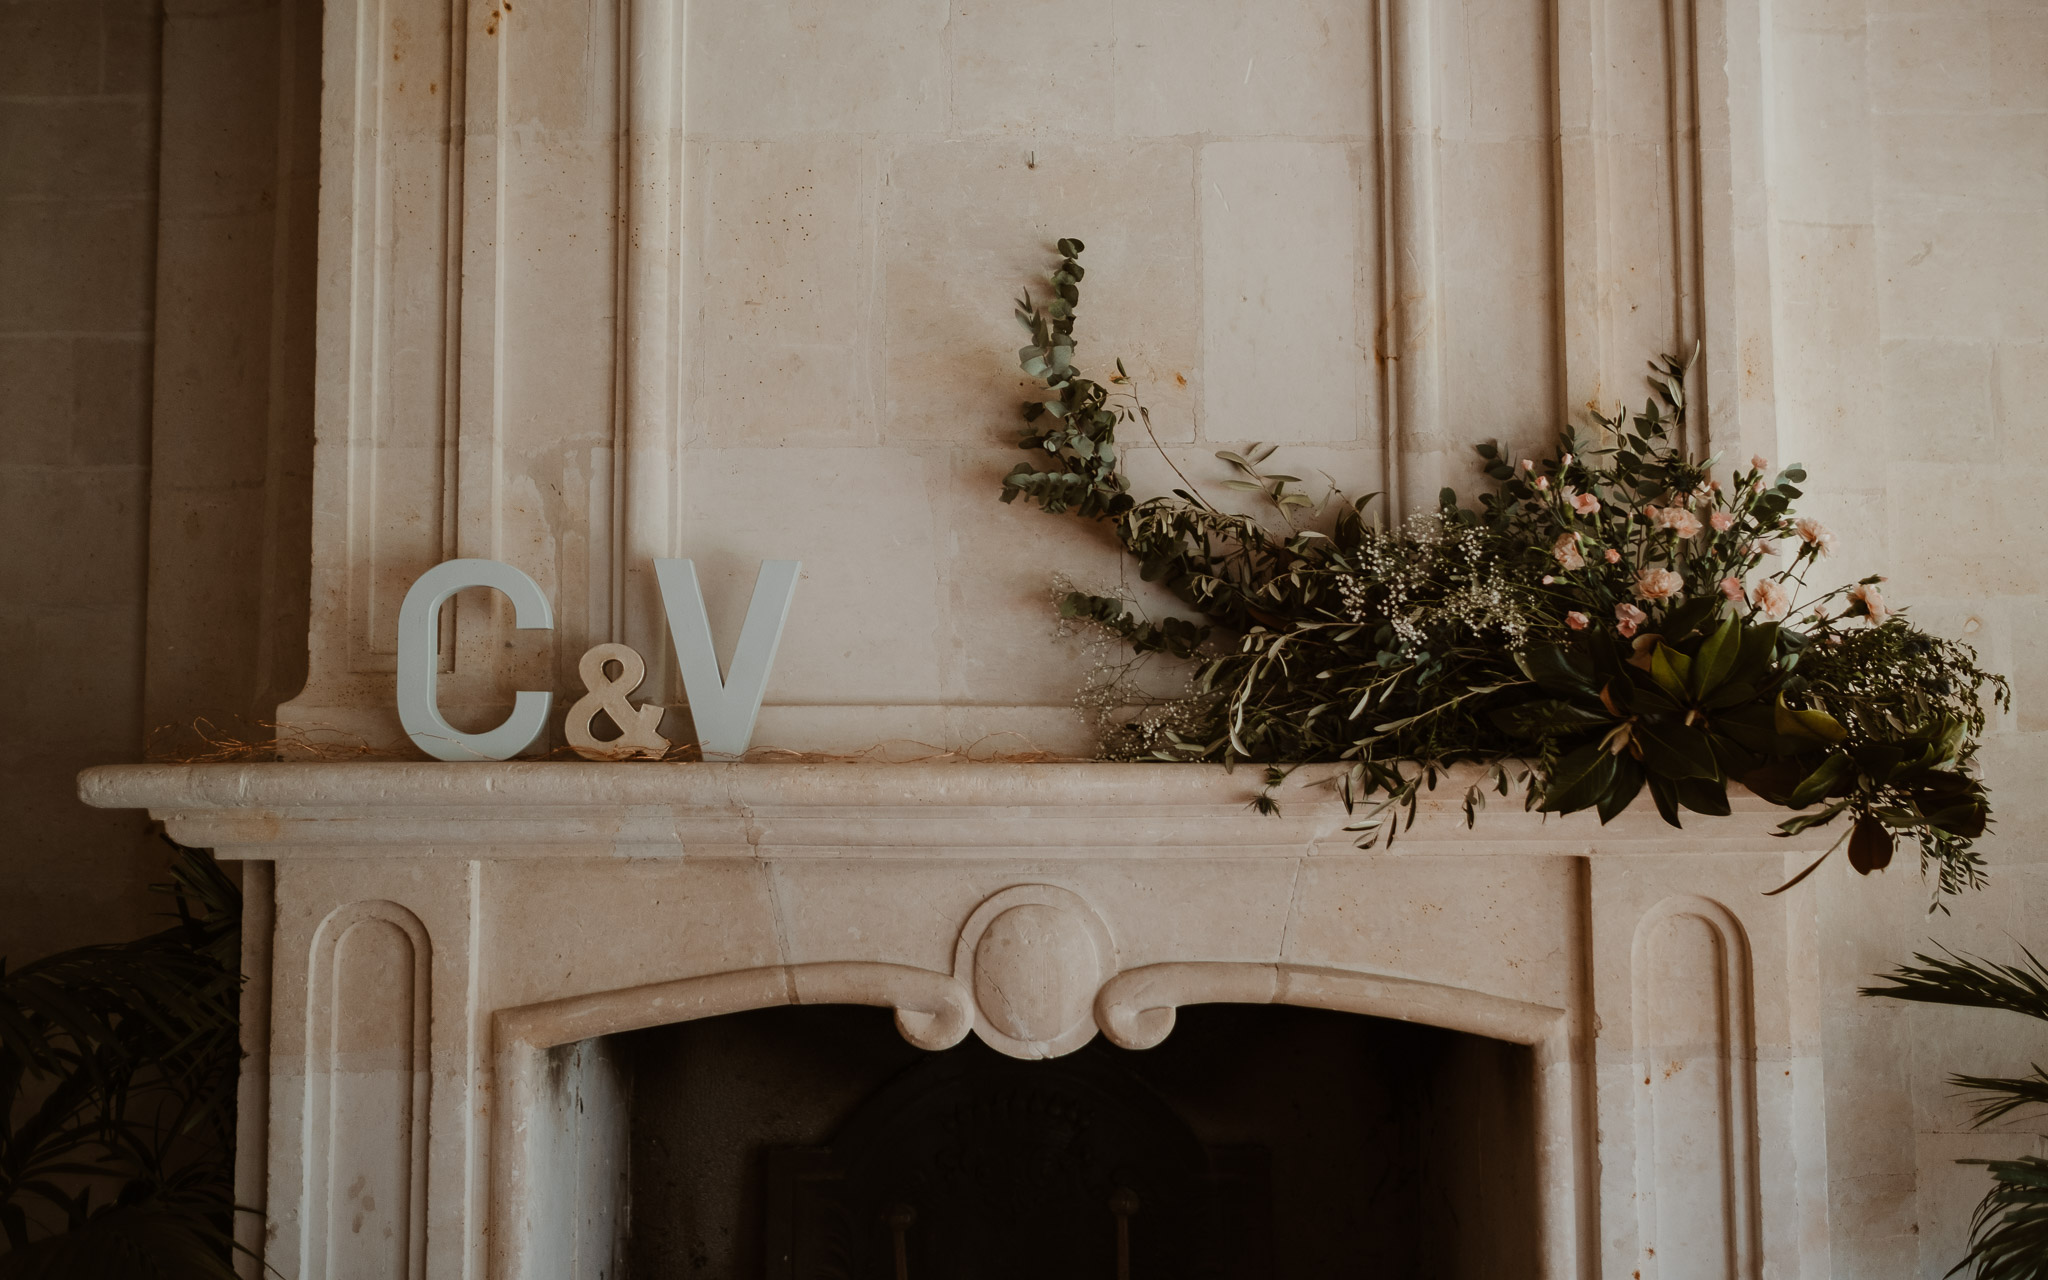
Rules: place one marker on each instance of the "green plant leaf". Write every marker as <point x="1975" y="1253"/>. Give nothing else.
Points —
<point x="1704" y="795"/>
<point x="1870" y="846"/>
<point x="1579" y="780"/>
<point x="1670" y="669"/>
<point x="1824" y="781"/>
<point x="1677" y="751"/>
<point x="1813" y="726"/>
<point x="1556" y="669"/>
<point x="1717" y="658"/>
<point x="1665" y="792"/>
<point x="1548" y="718"/>
<point x="1627" y="784"/>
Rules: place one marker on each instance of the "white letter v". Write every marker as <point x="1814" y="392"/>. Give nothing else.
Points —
<point x="724" y="708"/>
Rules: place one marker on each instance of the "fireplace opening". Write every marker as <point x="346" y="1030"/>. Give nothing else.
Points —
<point x="1255" y="1141"/>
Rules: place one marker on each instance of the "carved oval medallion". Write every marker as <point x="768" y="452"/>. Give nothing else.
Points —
<point x="1034" y="956"/>
<point x="1035" y="971"/>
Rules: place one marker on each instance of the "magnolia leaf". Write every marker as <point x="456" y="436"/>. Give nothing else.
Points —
<point x="1670" y="669"/>
<point x="1716" y="658"/>
<point x="1556" y="669"/>
<point x="1579" y="780"/>
<point x="1677" y="751"/>
<point x="1665" y="792"/>
<point x="1814" y="726"/>
<point x="1704" y="795"/>
<point x="1824" y="781"/>
<point x="1870" y="846"/>
<point x="1628" y="783"/>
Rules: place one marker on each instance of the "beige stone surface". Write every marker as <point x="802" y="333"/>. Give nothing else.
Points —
<point x="1845" y="198"/>
<point x="1930" y="264"/>
<point x="1280" y="275"/>
<point x="1043" y="904"/>
<point x="78" y="180"/>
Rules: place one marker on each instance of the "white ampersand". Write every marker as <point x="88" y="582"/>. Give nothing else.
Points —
<point x="637" y="725"/>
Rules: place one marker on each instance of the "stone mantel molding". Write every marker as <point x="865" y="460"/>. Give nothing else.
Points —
<point x="442" y="954"/>
<point x="277" y="811"/>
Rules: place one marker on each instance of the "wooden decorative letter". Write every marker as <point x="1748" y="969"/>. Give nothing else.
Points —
<point x="637" y="725"/>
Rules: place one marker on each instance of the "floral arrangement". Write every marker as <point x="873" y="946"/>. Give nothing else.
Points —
<point x="1613" y="618"/>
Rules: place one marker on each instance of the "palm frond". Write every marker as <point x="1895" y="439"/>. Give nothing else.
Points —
<point x="118" y="1066"/>
<point x="1971" y="982"/>
<point x="127" y="1242"/>
<point x="2000" y="1096"/>
<point x="2009" y="1231"/>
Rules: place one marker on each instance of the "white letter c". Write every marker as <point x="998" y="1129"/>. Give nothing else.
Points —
<point x="419" y="626"/>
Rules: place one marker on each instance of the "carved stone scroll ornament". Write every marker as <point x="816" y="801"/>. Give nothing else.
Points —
<point x="1034" y="956"/>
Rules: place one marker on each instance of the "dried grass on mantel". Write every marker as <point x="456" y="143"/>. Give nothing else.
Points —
<point x="202" y="742"/>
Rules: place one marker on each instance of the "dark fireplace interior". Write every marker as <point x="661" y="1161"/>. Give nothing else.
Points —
<point x="1256" y="1141"/>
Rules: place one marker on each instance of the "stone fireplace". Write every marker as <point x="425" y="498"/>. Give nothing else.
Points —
<point x="606" y="281"/>
<point x="451" y="963"/>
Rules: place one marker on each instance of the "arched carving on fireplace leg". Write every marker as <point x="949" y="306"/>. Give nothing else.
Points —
<point x="1695" y="1052"/>
<point x="368" y="996"/>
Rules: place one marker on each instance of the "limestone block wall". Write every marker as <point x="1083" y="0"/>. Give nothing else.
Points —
<point x="735" y="284"/>
<point x="157" y="202"/>
<point x="1910" y="246"/>
<point x="78" y="135"/>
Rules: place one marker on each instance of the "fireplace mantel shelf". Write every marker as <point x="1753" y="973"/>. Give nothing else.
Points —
<point x="1086" y="810"/>
<point x="481" y="932"/>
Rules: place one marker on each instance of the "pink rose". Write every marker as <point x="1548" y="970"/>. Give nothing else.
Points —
<point x="1757" y="460"/>
<point x="1576" y="621"/>
<point x="1658" y="584"/>
<point x="1731" y="587"/>
<point x="1585" y="503"/>
<point x="1613" y="556"/>
<point x="1771" y="600"/>
<point x="1564" y="462"/>
<point x="1566" y="551"/>
<point x="1627" y="618"/>
<point x="1872" y="601"/>
<point x="1528" y="464"/>
<point x="1816" y="533"/>
<point x="1542" y="482"/>
<point x="1722" y="521"/>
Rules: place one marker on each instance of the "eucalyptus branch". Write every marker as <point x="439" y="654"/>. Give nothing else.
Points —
<point x="1602" y="613"/>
